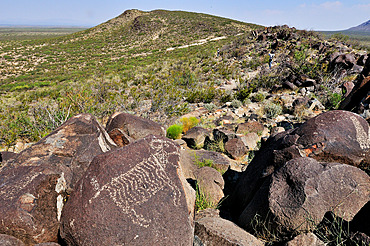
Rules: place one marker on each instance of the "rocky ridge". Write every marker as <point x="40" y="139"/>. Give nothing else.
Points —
<point x="285" y="164"/>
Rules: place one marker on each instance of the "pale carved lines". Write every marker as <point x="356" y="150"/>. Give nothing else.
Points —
<point x="139" y="184"/>
<point x="362" y="137"/>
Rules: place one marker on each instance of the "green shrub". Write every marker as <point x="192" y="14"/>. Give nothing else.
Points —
<point x="236" y="103"/>
<point x="259" y="97"/>
<point x="188" y="123"/>
<point x="174" y="131"/>
<point x="272" y="110"/>
<point x="202" y="201"/>
<point x="244" y="93"/>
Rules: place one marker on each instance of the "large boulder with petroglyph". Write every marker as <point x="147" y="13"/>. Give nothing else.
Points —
<point x="34" y="184"/>
<point x="124" y="128"/>
<point x="299" y="194"/>
<point x="334" y="136"/>
<point x="134" y="195"/>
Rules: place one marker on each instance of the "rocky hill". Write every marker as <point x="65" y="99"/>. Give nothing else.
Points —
<point x="176" y="128"/>
<point x="364" y="27"/>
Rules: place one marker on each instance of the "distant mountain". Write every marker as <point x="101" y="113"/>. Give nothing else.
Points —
<point x="364" y="27"/>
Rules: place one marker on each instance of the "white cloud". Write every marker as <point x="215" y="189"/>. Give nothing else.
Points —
<point x="331" y="5"/>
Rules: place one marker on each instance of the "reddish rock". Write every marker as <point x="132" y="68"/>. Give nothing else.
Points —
<point x="360" y="90"/>
<point x="334" y="136"/>
<point x="215" y="231"/>
<point x="345" y="61"/>
<point x="125" y="128"/>
<point x="305" y="239"/>
<point x="236" y="148"/>
<point x="31" y="200"/>
<point x="250" y="126"/>
<point x="299" y="194"/>
<point x="6" y="240"/>
<point x="6" y="156"/>
<point x="33" y="185"/>
<point x="69" y="149"/>
<point x="210" y="183"/>
<point x="133" y="195"/>
<point x="251" y="140"/>
<point x="195" y="137"/>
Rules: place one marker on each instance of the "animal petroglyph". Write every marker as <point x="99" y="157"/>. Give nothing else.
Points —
<point x="362" y="136"/>
<point x="139" y="184"/>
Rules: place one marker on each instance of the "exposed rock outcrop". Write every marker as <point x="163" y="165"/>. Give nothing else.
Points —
<point x="135" y="195"/>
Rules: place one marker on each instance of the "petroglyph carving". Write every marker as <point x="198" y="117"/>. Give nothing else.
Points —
<point x="139" y="184"/>
<point x="362" y="137"/>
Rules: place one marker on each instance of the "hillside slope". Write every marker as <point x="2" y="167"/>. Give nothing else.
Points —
<point x="159" y="65"/>
<point x="122" y="59"/>
<point x="364" y="28"/>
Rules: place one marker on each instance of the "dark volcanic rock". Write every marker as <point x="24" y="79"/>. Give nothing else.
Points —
<point x="125" y="128"/>
<point x="6" y="156"/>
<point x="334" y="136"/>
<point x="305" y="239"/>
<point x="69" y="149"/>
<point x="299" y="194"/>
<point x="345" y="61"/>
<point x="250" y="126"/>
<point x="31" y="200"/>
<point x="215" y="231"/>
<point x="33" y="185"/>
<point x="210" y="183"/>
<point x="236" y="148"/>
<point x="195" y="137"/>
<point x="134" y="195"/>
<point x="6" y="240"/>
<point x="359" y="92"/>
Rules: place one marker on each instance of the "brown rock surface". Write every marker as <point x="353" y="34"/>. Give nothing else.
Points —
<point x="236" y="148"/>
<point x="6" y="240"/>
<point x="305" y="239"/>
<point x="215" y="231"/>
<point x="125" y="128"/>
<point x="299" y="194"/>
<point x="210" y="183"/>
<point x="196" y="136"/>
<point x="334" y="136"/>
<point x="33" y="185"/>
<point x="134" y="195"/>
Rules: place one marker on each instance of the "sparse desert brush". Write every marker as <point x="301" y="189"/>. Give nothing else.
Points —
<point x="258" y="97"/>
<point x="174" y="131"/>
<point x="188" y="123"/>
<point x="272" y="109"/>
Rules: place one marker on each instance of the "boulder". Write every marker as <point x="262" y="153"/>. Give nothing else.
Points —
<point x="189" y="158"/>
<point x="334" y="136"/>
<point x="236" y="148"/>
<point x="125" y="128"/>
<point x="361" y="221"/>
<point x="195" y="137"/>
<point x="210" y="184"/>
<point x="133" y="195"/>
<point x="250" y="126"/>
<point x="345" y="61"/>
<point x="6" y="240"/>
<point x="251" y="140"/>
<point x="297" y="197"/>
<point x="360" y="91"/>
<point x="31" y="200"/>
<point x="6" y="156"/>
<point x="69" y="149"/>
<point x="305" y="239"/>
<point x="217" y="231"/>
<point x="48" y="244"/>
<point x="34" y="184"/>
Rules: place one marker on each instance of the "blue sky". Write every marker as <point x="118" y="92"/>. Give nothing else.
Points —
<point x="302" y="14"/>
